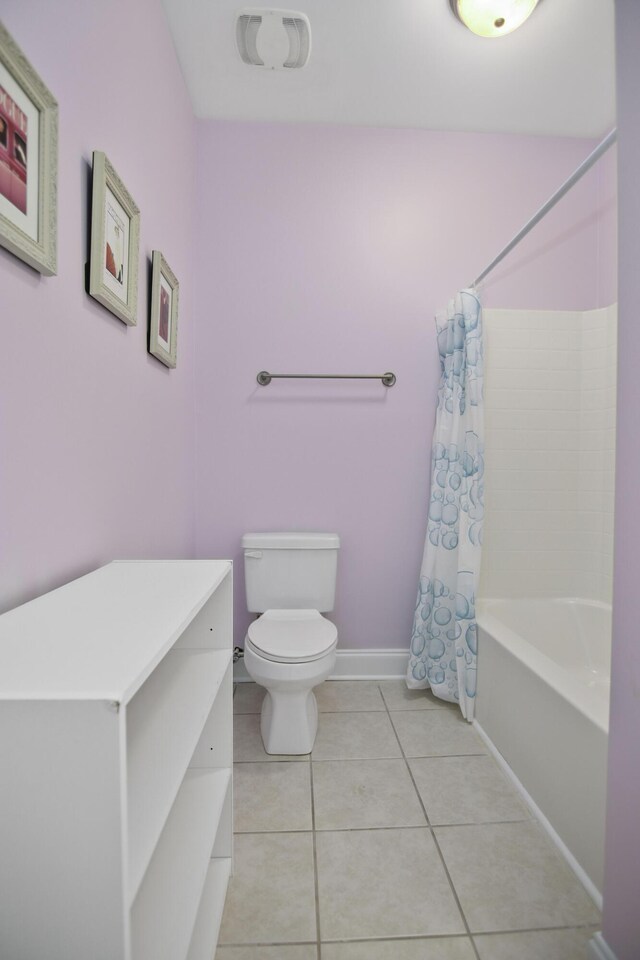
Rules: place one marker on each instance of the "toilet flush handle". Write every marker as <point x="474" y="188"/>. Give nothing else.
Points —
<point x="256" y="554"/>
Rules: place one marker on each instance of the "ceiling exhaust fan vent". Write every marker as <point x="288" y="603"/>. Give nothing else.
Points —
<point x="273" y="39"/>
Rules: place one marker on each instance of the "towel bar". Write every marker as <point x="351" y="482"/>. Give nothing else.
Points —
<point x="264" y="378"/>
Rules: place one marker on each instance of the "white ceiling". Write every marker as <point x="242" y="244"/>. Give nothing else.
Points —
<point x="410" y="63"/>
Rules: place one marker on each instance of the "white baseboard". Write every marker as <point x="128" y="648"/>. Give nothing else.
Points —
<point x="355" y="665"/>
<point x="582" y="876"/>
<point x="599" y="949"/>
<point x="370" y="664"/>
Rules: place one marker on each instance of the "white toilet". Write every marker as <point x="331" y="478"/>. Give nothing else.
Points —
<point x="290" y="649"/>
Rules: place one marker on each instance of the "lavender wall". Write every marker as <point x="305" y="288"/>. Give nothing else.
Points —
<point x="621" y="922"/>
<point x="96" y="435"/>
<point x="329" y="249"/>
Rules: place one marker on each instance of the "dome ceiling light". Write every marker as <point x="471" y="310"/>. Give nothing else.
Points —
<point x="493" y="18"/>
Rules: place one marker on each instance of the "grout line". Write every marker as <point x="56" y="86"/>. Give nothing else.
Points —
<point x="383" y="709"/>
<point x="431" y="756"/>
<point x="315" y="861"/>
<point x="299" y="758"/>
<point x="403" y="826"/>
<point x="414" y="937"/>
<point x="267" y="833"/>
<point x="435" y="840"/>
<point x="409" y="938"/>
<point x="571" y="926"/>
<point x="439" y="756"/>
<point x="462" y="936"/>
<point x="414" y="826"/>
<point x="276" y="758"/>
<point x="269" y="943"/>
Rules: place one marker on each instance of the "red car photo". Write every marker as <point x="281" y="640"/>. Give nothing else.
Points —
<point x="13" y="152"/>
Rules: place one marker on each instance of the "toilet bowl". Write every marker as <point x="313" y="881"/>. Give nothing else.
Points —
<point x="289" y="652"/>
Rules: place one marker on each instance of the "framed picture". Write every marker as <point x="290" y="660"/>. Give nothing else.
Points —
<point x="28" y="161"/>
<point x="115" y="238"/>
<point x="163" y="323"/>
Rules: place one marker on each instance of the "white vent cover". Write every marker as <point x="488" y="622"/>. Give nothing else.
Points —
<point x="273" y="39"/>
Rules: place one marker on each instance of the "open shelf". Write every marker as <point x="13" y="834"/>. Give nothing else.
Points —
<point x="207" y="928"/>
<point x="164" y="912"/>
<point x="164" y="723"/>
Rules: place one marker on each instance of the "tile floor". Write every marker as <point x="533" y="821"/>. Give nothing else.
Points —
<point x="399" y="838"/>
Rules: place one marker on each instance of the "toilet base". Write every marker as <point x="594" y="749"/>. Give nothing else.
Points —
<point x="282" y="732"/>
<point x="289" y="717"/>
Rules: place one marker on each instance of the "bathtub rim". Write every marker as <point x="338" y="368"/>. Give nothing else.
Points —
<point x="593" y="708"/>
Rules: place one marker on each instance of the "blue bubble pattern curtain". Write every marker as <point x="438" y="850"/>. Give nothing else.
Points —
<point x="444" y="639"/>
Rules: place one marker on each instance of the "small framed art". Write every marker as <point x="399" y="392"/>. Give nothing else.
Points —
<point x="163" y="323"/>
<point x="115" y="238"/>
<point x="28" y="161"/>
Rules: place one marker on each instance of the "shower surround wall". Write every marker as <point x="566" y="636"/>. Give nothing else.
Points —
<point x="550" y="381"/>
<point x="329" y="249"/>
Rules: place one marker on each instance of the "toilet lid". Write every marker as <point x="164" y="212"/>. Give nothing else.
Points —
<point x="292" y="635"/>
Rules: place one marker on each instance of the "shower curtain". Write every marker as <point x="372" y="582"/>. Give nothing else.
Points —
<point x="444" y="639"/>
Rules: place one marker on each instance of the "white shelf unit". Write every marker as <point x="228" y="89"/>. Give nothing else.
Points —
<point x="116" y="773"/>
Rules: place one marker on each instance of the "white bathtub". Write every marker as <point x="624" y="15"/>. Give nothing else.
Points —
<point x="543" y="700"/>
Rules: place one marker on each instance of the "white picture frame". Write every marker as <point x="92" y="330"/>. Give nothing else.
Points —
<point x="28" y="161"/>
<point x="163" y="318"/>
<point x="115" y="241"/>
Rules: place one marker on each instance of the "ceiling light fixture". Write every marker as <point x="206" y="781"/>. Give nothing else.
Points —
<point x="493" y="18"/>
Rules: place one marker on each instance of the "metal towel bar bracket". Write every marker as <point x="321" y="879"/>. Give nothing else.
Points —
<point x="264" y="378"/>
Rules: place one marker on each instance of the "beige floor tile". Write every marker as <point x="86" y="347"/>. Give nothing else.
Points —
<point x="247" y="741"/>
<point x="271" y="896"/>
<point x="436" y="733"/>
<point x="383" y="883"/>
<point x="509" y="876"/>
<point x="398" y="697"/>
<point x="541" y="945"/>
<point x="348" y="695"/>
<point x="466" y="790"/>
<point x="354" y="794"/>
<point x="248" y="698"/>
<point x="445" y="948"/>
<point x="355" y="736"/>
<point x="271" y="796"/>
<point x="281" y="952"/>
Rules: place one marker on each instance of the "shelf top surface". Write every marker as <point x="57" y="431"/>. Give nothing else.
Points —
<point x="99" y="637"/>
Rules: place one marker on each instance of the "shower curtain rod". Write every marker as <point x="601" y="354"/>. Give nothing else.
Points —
<point x="586" y="164"/>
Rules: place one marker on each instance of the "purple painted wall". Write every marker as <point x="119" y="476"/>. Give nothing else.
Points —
<point x="96" y="435"/>
<point x="621" y="921"/>
<point x="329" y="249"/>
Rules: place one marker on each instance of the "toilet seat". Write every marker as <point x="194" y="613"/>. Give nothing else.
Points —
<point x="292" y="636"/>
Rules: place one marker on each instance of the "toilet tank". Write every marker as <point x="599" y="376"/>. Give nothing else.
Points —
<point x="290" y="571"/>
